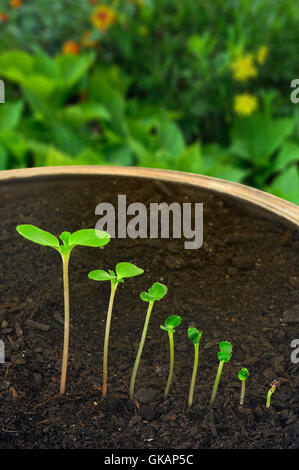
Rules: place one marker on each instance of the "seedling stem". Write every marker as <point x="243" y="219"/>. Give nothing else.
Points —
<point x="137" y="360"/>
<point x="216" y="383"/>
<point x="171" y="353"/>
<point x="272" y="389"/>
<point x="170" y="324"/>
<point x="107" y="333"/>
<point x="243" y="376"/>
<point x="224" y="355"/>
<point x="65" y="265"/>
<point x="194" y="336"/>
<point x="194" y="373"/>
<point x="156" y="292"/>
<point x="123" y="270"/>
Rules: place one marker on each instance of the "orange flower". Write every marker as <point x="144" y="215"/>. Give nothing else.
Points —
<point x="16" y="3"/>
<point x="87" y="42"/>
<point x="93" y="2"/>
<point x="3" y="17"/>
<point x="103" y="17"/>
<point x="70" y="47"/>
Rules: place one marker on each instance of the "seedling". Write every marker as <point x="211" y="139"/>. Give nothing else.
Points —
<point x="272" y="389"/>
<point x="195" y="336"/>
<point x="85" y="237"/>
<point x="170" y="324"/>
<point x="243" y="376"/>
<point x="156" y="292"/>
<point x="123" y="270"/>
<point x="224" y="355"/>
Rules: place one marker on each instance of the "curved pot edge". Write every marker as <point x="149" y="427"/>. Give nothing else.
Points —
<point x="274" y="204"/>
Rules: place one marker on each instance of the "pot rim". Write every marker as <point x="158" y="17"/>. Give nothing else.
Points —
<point x="267" y="201"/>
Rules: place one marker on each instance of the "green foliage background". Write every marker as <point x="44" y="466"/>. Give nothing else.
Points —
<point x="156" y="91"/>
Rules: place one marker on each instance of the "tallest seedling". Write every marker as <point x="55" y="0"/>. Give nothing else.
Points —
<point x="85" y="237"/>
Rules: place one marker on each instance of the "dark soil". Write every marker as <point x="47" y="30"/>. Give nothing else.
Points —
<point x="241" y="286"/>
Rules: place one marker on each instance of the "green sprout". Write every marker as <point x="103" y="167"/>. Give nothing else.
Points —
<point x="194" y="336"/>
<point x="243" y="376"/>
<point x="123" y="270"/>
<point x="272" y="389"/>
<point x="224" y="355"/>
<point x="156" y="292"/>
<point x="85" y="237"/>
<point x="170" y="324"/>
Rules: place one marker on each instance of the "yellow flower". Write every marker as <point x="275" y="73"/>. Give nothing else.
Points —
<point x="16" y="3"/>
<point x="103" y="17"/>
<point x="70" y="47"/>
<point x="245" y="104"/>
<point x="244" y="68"/>
<point x="262" y="54"/>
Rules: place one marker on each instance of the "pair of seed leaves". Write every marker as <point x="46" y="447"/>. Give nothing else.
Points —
<point x="92" y="238"/>
<point x="171" y="323"/>
<point x="225" y="352"/>
<point x="84" y="237"/>
<point x="124" y="270"/>
<point x="243" y="374"/>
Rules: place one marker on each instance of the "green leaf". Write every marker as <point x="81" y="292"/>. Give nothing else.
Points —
<point x="84" y="112"/>
<point x="73" y="68"/>
<point x="171" y="137"/>
<point x="286" y="185"/>
<point x="3" y="158"/>
<point x="225" y="346"/>
<point x="243" y="374"/>
<point x="127" y="270"/>
<point x="89" y="237"/>
<point x="156" y="292"/>
<point x="289" y="153"/>
<point x="100" y="275"/>
<point x="190" y="159"/>
<point x="194" y="334"/>
<point x="171" y="323"/>
<point x="257" y="137"/>
<point x="64" y="236"/>
<point x="10" y="114"/>
<point x="16" y="65"/>
<point x="37" y="235"/>
<point x="225" y="352"/>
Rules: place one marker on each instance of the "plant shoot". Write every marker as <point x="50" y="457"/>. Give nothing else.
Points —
<point x="243" y="376"/>
<point x="122" y="271"/>
<point x="156" y="292"/>
<point x="194" y="336"/>
<point x="170" y="324"/>
<point x="272" y="389"/>
<point x="85" y="237"/>
<point x="224" y="355"/>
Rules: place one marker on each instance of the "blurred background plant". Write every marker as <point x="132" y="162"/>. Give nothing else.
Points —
<point x="200" y="86"/>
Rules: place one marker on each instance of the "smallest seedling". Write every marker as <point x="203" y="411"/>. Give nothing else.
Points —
<point x="170" y="324"/>
<point x="243" y="376"/>
<point x="272" y="389"/>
